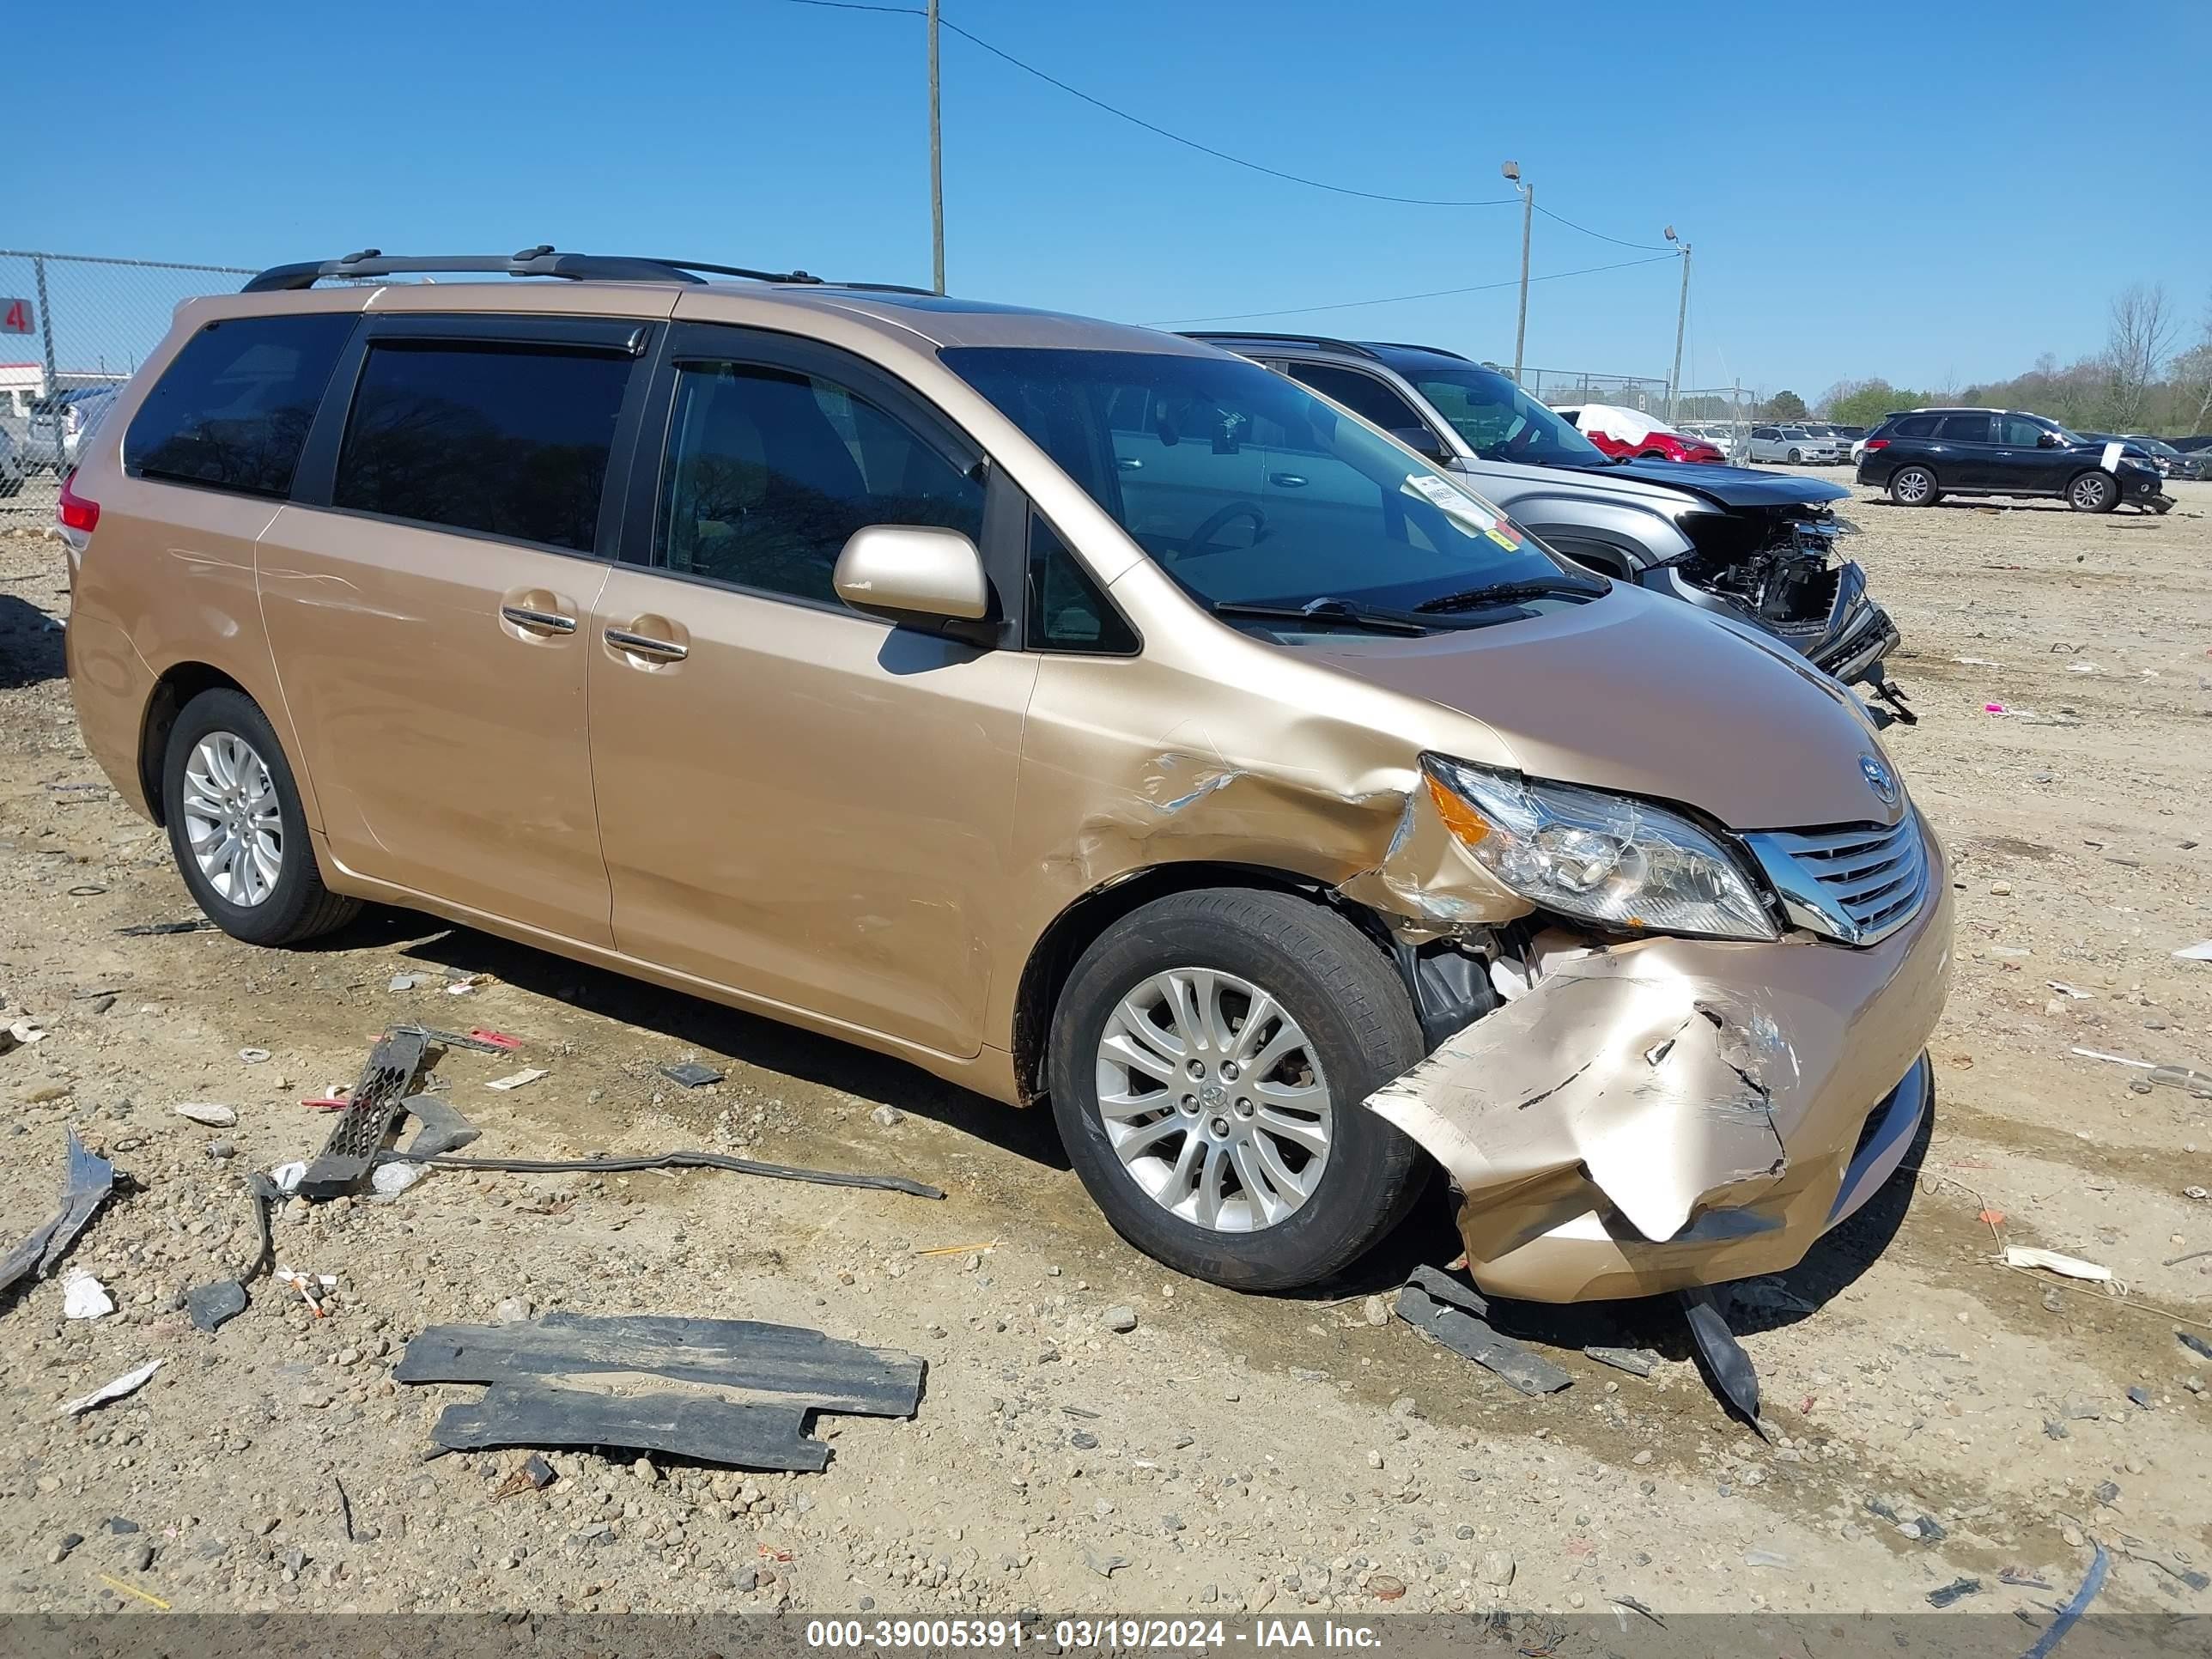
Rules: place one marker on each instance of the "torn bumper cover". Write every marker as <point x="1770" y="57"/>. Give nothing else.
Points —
<point x="1675" y="1112"/>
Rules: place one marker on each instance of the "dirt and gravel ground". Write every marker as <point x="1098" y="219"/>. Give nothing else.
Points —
<point x="1226" y="1452"/>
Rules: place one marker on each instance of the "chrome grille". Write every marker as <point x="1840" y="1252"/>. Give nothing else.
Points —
<point x="1858" y="883"/>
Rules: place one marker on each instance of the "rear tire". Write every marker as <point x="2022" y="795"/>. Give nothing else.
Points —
<point x="2092" y="492"/>
<point x="1357" y="1029"/>
<point x="224" y="766"/>
<point x="1914" y="486"/>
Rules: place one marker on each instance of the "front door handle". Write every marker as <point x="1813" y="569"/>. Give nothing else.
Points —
<point x="644" y="645"/>
<point x="538" y="622"/>
<point x="1288" y="480"/>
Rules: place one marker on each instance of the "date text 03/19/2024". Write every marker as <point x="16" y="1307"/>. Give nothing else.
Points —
<point x="1080" y="1635"/>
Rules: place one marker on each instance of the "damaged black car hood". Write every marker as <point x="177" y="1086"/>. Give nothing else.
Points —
<point x="1732" y="486"/>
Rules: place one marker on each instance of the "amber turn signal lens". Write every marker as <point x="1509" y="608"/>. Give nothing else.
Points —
<point x="1461" y="819"/>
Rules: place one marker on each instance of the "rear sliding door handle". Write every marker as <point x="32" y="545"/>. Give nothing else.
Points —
<point x="644" y="645"/>
<point x="538" y="622"/>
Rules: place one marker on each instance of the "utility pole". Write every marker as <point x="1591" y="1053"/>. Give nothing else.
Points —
<point x="53" y="388"/>
<point x="936" y="162"/>
<point x="1528" y="194"/>
<point x="1681" y="317"/>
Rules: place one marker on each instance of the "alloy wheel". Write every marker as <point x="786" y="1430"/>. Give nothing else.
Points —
<point x="232" y="820"/>
<point x="1213" y="1098"/>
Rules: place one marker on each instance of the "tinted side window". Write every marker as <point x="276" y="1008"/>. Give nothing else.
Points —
<point x="1363" y="394"/>
<point x="1965" y="430"/>
<point x="233" y="411"/>
<point x="1068" y="612"/>
<point x="508" y="440"/>
<point x="2019" y="432"/>
<point x="1914" y="426"/>
<point x="770" y="471"/>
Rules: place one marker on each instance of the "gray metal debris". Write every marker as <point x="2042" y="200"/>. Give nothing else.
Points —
<point x="1458" y="1316"/>
<point x="85" y="1181"/>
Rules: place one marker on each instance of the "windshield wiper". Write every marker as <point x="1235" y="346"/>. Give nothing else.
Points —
<point x="1504" y="593"/>
<point x="1335" y="613"/>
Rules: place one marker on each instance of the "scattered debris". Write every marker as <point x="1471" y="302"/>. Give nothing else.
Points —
<point x="1635" y="1605"/>
<point x="2196" y="1344"/>
<point x="403" y="981"/>
<point x="1458" y="1316"/>
<point x="253" y="1056"/>
<point x="213" y="1305"/>
<point x="359" y="1134"/>
<point x="1952" y="1591"/>
<point x="2200" y="951"/>
<point x="491" y="1042"/>
<point x="1104" y="1566"/>
<point x="481" y="1042"/>
<point x="147" y="1596"/>
<point x="84" y="1297"/>
<point x="610" y="1165"/>
<point x="2055" y="1633"/>
<point x="2072" y="992"/>
<point x="151" y="929"/>
<point x="2025" y="1255"/>
<point x="2135" y="1550"/>
<point x="2139" y="1397"/>
<point x="345" y="1508"/>
<point x="2022" y="1578"/>
<point x="534" y="1474"/>
<point x="464" y="984"/>
<point x="691" y="1074"/>
<point x="209" y="1113"/>
<point x="1636" y="1362"/>
<point x="309" y="1284"/>
<point x="440" y="1128"/>
<point x="2173" y="1077"/>
<point x="1765" y="1559"/>
<point x="774" y="1376"/>
<point x="1728" y="1368"/>
<point x="20" y="1034"/>
<point x="85" y="1181"/>
<point x="128" y="1383"/>
<point x="389" y="1179"/>
<point x="527" y="1075"/>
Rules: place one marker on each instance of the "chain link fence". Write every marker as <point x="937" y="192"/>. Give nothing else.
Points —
<point x="71" y="328"/>
<point x="1567" y="386"/>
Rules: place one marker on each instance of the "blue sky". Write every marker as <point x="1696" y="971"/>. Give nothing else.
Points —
<point x="1930" y="194"/>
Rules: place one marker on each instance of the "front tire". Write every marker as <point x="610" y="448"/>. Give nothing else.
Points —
<point x="1914" y="486"/>
<point x="1210" y="1053"/>
<point x="237" y="828"/>
<point x="2092" y="492"/>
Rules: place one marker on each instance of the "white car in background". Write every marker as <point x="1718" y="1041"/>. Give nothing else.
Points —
<point x="1793" y="444"/>
<point x="14" y="469"/>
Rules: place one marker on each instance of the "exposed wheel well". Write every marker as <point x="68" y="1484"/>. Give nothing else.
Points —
<point x="176" y="687"/>
<point x="1073" y="930"/>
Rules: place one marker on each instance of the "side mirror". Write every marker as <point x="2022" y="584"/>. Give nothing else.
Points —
<point x="2047" y="440"/>
<point x="1423" y="442"/>
<point x="913" y="575"/>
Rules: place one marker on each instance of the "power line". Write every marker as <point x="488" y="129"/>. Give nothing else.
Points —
<point x="1139" y="121"/>
<point x="1395" y="299"/>
<point x="1656" y="247"/>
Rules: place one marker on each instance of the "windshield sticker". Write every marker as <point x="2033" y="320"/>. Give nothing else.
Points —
<point x="1471" y="514"/>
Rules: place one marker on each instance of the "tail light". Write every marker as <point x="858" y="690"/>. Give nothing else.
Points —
<point x="76" y="512"/>
<point x="1877" y="443"/>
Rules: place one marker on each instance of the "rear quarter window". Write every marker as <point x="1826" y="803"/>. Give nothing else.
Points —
<point x="231" y="412"/>
<point x="1914" y="426"/>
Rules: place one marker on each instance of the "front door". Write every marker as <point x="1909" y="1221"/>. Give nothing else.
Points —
<point x="431" y="605"/>
<point x="2022" y="459"/>
<point x="797" y="801"/>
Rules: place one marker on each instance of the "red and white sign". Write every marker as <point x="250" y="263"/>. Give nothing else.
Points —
<point x="15" y="317"/>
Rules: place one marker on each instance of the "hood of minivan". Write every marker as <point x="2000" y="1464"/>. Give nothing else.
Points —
<point x="1736" y="486"/>
<point x="1646" y="695"/>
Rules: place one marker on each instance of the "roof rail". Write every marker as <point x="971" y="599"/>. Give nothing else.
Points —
<point x="1352" y="346"/>
<point x="539" y="261"/>
<point x="1434" y="351"/>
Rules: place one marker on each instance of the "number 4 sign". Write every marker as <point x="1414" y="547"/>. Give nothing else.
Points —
<point x="15" y="316"/>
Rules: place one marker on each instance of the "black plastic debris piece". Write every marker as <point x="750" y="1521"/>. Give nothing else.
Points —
<point x="85" y="1181"/>
<point x="1635" y="1605"/>
<point x="1875" y="1507"/>
<point x="2139" y="1396"/>
<point x="538" y="1472"/>
<point x="345" y="1508"/>
<point x="1928" y="1530"/>
<point x="452" y="1039"/>
<point x="691" y="1074"/>
<point x="671" y="1161"/>
<point x="1726" y="1367"/>
<point x="1636" y="1362"/>
<point x="359" y="1134"/>
<point x="1459" y="1318"/>
<point x="2196" y="1344"/>
<point x="2055" y="1633"/>
<point x="1951" y="1591"/>
<point x="212" y="1305"/>
<point x="154" y="929"/>
<point x="2136" y="1549"/>
<point x="782" y="1372"/>
<point x="440" y="1126"/>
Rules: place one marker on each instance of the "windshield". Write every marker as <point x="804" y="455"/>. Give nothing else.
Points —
<point x="1500" y="422"/>
<point x="1248" y="489"/>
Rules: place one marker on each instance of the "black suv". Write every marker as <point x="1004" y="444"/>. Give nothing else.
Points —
<point x="1921" y="457"/>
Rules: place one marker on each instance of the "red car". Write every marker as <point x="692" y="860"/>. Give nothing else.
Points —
<point x="1636" y="437"/>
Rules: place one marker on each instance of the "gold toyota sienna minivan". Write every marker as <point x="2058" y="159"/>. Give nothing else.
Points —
<point x="1079" y="712"/>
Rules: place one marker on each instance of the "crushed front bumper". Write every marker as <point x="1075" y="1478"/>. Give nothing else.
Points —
<point x="1675" y="1112"/>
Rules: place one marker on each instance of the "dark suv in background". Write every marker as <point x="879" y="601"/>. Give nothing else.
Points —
<point x="1924" y="455"/>
<point x="1753" y="547"/>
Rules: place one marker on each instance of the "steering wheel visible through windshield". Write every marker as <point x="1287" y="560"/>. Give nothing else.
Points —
<point x="1250" y="491"/>
<point x="1500" y="422"/>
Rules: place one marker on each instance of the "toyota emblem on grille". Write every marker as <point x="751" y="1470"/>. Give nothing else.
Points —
<point x="1879" y="779"/>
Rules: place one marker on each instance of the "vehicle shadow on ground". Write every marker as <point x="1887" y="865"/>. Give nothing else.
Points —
<point x="30" y="645"/>
<point x="695" y="1022"/>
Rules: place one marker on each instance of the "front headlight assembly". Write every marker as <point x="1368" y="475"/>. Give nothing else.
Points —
<point x="1600" y="857"/>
